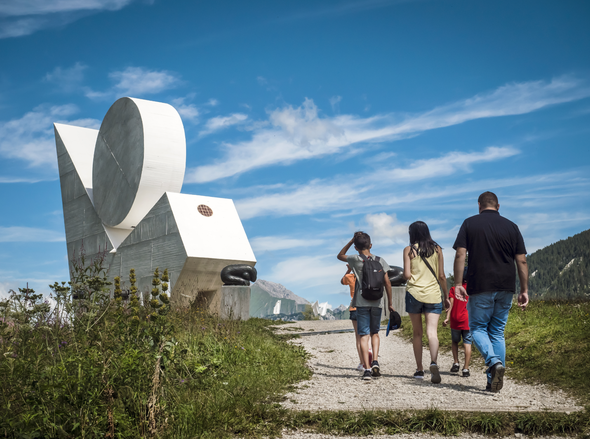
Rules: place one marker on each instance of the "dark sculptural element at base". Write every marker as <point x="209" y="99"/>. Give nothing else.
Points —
<point x="238" y="274"/>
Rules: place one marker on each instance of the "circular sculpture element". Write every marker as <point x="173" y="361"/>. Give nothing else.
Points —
<point x="238" y="274"/>
<point x="140" y="153"/>
<point x="204" y="210"/>
<point x="396" y="276"/>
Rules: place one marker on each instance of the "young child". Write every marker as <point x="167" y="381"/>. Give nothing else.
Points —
<point x="350" y="280"/>
<point x="459" y="329"/>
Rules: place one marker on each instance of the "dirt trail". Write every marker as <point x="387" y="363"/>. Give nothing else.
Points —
<point x="336" y="385"/>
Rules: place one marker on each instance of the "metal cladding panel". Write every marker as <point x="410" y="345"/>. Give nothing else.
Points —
<point x="155" y="242"/>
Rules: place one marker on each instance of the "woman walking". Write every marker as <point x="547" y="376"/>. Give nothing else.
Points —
<point x="426" y="293"/>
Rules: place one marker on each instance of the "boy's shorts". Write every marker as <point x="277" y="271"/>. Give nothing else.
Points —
<point x="353" y="315"/>
<point x="457" y="334"/>
<point x="414" y="306"/>
<point x="368" y="320"/>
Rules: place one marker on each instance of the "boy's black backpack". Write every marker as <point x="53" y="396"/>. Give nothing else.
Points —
<point x="372" y="285"/>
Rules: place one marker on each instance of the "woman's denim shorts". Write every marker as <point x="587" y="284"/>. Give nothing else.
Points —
<point x="414" y="306"/>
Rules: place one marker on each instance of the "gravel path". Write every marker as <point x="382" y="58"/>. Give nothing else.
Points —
<point x="336" y="385"/>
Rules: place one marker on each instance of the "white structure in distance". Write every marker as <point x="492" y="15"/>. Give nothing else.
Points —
<point x="120" y="190"/>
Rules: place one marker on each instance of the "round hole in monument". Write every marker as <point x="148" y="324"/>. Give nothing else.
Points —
<point x="205" y="210"/>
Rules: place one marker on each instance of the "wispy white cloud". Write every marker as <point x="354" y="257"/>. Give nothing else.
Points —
<point x="29" y="234"/>
<point x="69" y="78"/>
<point x="135" y="82"/>
<point x="334" y="101"/>
<point x="384" y="226"/>
<point x="345" y="191"/>
<point x="188" y="112"/>
<point x="222" y="122"/>
<point x="317" y="270"/>
<point x="31" y="138"/>
<point x="24" y="17"/>
<point x="275" y="243"/>
<point x="295" y="134"/>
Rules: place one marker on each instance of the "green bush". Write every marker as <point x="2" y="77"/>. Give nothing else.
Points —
<point x="97" y="366"/>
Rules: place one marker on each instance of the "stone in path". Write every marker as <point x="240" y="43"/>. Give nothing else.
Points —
<point x="336" y="385"/>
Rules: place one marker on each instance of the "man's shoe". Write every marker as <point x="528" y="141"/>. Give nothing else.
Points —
<point x="455" y="368"/>
<point x="419" y="374"/>
<point x="497" y="371"/>
<point x="466" y="372"/>
<point x="435" y="378"/>
<point x="360" y="367"/>
<point x="375" y="369"/>
<point x="367" y="375"/>
<point x="488" y="387"/>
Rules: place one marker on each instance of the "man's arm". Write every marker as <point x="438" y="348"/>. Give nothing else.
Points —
<point x="459" y="266"/>
<point x="388" y="291"/>
<point x="523" y="276"/>
<point x="342" y="254"/>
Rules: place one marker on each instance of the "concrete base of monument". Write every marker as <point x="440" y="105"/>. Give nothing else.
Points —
<point x="230" y="302"/>
<point x="398" y="297"/>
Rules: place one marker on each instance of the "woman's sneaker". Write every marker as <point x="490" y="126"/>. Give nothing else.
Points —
<point x="465" y="372"/>
<point x="419" y="374"/>
<point x="435" y="378"/>
<point x="360" y="367"/>
<point x="455" y="368"/>
<point x="367" y="375"/>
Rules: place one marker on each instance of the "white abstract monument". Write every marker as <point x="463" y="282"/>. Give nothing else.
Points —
<point x="120" y="190"/>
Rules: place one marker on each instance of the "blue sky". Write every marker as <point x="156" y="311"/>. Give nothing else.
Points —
<point x="317" y="118"/>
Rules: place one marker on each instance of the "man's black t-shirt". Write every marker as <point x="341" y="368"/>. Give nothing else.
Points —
<point x="492" y="242"/>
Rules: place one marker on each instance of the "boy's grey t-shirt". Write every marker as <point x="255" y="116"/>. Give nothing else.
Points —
<point x="356" y="263"/>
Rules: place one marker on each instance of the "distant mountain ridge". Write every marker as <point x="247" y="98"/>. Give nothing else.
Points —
<point x="561" y="270"/>
<point x="279" y="291"/>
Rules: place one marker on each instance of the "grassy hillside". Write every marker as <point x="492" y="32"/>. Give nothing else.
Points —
<point x="561" y="270"/>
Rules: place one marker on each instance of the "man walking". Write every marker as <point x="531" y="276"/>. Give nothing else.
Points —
<point x="368" y="308"/>
<point x="493" y="244"/>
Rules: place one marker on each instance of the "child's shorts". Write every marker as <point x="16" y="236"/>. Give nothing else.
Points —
<point x="353" y="315"/>
<point x="457" y="334"/>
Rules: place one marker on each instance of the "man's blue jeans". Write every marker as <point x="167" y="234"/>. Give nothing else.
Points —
<point x="488" y="314"/>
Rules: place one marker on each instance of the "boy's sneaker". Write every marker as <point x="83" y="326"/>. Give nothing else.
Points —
<point x="455" y="368"/>
<point x="497" y="371"/>
<point x="435" y="378"/>
<point x="367" y="375"/>
<point x="375" y="369"/>
<point x="419" y="374"/>
<point x="465" y="372"/>
<point x="360" y="367"/>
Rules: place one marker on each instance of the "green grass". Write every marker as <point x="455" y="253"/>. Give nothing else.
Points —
<point x="203" y="378"/>
<point x="548" y="343"/>
<point x="437" y="421"/>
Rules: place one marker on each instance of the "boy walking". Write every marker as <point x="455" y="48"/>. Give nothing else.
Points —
<point x="459" y="329"/>
<point x="368" y="304"/>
